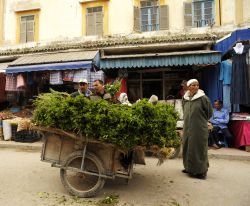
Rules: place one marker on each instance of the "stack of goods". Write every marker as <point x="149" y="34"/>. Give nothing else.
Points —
<point x="142" y="124"/>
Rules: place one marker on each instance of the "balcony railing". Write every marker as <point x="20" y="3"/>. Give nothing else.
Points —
<point x="203" y="22"/>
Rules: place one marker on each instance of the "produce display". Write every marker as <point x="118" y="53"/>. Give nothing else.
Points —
<point x="141" y="124"/>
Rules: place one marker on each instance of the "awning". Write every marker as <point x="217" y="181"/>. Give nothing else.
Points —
<point x="160" y="59"/>
<point x="55" y="61"/>
<point x="49" y="67"/>
<point x="226" y="43"/>
<point x="3" y="67"/>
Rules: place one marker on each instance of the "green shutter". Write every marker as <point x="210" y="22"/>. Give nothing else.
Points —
<point x="188" y="14"/>
<point x="137" y="19"/>
<point x="164" y="17"/>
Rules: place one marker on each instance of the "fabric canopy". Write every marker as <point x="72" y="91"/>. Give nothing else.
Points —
<point x="45" y="67"/>
<point x="160" y="59"/>
<point x="227" y="42"/>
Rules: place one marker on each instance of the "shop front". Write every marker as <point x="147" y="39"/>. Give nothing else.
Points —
<point x="30" y="75"/>
<point x="158" y="73"/>
<point x="235" y="70"/>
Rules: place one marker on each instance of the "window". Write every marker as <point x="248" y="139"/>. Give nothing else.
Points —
<point x="94" y="21"/>
<point x="199" y="13"/>
<point x="150" y="16"/>
<point x="27" y="28"/>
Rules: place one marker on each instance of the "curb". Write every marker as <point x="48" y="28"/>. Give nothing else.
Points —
<point x="229" y="157"/>
<point x="36" y="146"/>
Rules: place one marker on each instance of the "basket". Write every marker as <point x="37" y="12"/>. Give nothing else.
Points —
<point x="27" y="136"/>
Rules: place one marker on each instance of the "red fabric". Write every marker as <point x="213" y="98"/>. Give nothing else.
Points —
<point x="241" y="132"/>
<point x="123" y="88"/>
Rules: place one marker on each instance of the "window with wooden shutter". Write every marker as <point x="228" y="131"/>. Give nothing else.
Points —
<point x="149" y="14"/>
<point x="99" y="23"/>
<point x="188" y="14"/>
<point x="203" y="13"/>
<point x="94" y="21"/>
<point x="137" y="24"/>
<point x="164" y="17"/>
<point x="90" y="24"/>
<point x="27" y="29"/>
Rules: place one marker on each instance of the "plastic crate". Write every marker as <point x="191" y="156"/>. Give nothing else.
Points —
<point x="27" y="136"/>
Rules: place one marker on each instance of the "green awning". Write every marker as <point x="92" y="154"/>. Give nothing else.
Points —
<point x="200" y="57"/>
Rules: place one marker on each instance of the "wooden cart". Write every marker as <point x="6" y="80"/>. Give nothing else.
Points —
<point x="86" y="164"/>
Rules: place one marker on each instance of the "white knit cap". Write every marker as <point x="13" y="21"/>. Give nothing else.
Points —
<point x="191" y="81"/>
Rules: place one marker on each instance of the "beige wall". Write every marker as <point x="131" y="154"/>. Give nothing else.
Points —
<point x="121" y="17"/>
<point x="176" y="15"/>
<point x="1" y="20"/>
<point x="58" y="20"/>
<point x="62" y="20"/>
<point x="227" y="12"/>
<point x="246" y="11"/>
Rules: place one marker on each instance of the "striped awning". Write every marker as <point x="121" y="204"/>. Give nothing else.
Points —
<point x="50" y="67"/>
<point x="160" y="59"/>
<point x="3" y="67"/>
<point x="55" y="61"/>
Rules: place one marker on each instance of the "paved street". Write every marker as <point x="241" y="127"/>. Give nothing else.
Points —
<point x="26" y="181"/>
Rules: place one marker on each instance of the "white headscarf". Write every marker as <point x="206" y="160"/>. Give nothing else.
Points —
<point x="191" y="81"/>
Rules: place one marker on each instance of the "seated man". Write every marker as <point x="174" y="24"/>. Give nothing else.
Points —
<point x="219" y="121"/>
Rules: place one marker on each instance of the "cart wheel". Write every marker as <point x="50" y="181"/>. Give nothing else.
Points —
<point x="78" y="183"/>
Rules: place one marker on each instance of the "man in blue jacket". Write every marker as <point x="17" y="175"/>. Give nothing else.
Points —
<point x="220" y="130"/>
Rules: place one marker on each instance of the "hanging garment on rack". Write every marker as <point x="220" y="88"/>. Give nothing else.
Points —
<point x="81" y="74"/>
<point x="240" y="93"/>
<point x="68" y="76"/>
<point x="20" y="81"/>
<point x="55" y="78"/>
<point x="11" y="83"/>
<point x="225" y="77"/>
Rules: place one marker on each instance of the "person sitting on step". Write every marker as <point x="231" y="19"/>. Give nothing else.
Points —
<point x="220" y="130"/>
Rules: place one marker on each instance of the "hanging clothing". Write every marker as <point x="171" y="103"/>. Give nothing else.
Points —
<point x="11" y="82"/>
<point x="225" y="77"/>
<point x="20" y="81"/>
<point x="68" y="76"/>
<point x="226" y="72"/>
<point x="240" y="93"/>
<point x="81" y="74"/>
<point x="56" y="78"/>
